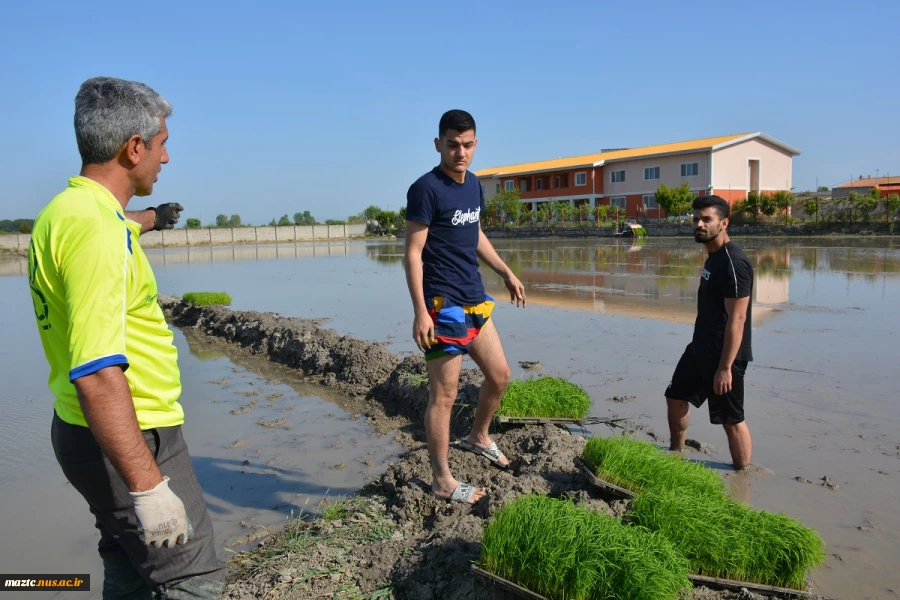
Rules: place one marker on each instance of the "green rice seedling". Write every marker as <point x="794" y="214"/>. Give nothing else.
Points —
<point x="563" y="551"/>
<point x="638" y="466"/>
<point x="417" y="380"/>
<point x="548" y="397"/>
<point x="721" y="538"/>
<point x="207" y="298"/>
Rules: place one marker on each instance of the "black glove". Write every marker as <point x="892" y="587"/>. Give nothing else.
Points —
<point x="166" y="215"/>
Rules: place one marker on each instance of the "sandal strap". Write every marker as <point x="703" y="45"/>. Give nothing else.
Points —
<point x="463" y="492"/>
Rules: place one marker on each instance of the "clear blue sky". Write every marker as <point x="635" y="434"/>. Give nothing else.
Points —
<point x="331" y="106"/>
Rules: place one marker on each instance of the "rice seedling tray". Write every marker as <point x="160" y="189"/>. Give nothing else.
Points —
<point x="603" y="485"/>
<point x="731" y="584"/>
<point x="539" y="421"/>
<point x="504" y="584"/>
<point x="711" y="582"/>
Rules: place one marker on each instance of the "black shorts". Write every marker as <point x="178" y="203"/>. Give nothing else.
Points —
<point x="693" y="382"/>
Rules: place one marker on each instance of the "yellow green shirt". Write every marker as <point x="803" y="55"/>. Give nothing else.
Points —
<point x="95" y="299"/>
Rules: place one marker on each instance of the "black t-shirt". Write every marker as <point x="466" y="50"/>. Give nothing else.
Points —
<point x="726" y="274"/>
<point x="452" y="212"/>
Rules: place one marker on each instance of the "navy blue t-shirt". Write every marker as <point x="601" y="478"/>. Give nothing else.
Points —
<point x="452" y="212"/>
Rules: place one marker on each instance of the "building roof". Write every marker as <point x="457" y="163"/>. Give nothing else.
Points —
<point x="870" y="182"/>
<point x="601" y="158"/>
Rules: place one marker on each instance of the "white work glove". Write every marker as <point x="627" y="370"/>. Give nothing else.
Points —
<point x="162" y="520"/>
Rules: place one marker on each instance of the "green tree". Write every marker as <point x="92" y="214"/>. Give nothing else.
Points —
<point x="602" y="211"/>
<point x="221" y="220"/>
<point x="192" y="223"/>
<point x="335" y="222"/>
<point x="822" y="188"/>
<point x="507" y="203"/>
<point x="359" y="219"/>
<point x="866" y="204"/>
<point x="372" y="212"/>
<point x="783" y="199"/>
<point x="811" y="207"/>
<point x="891" y="206"/>
<point x="675" y="201"/>
<point x="234" y="221"/>
<point x="402" y="213"/>
<point x="25" y="227"/>
<point x="273" y="223"/>
<point x="544" y="213"/>
<point x="388" y="219"/>
<point x="767" y="205"/>
<point x="304" y="218"/>
<point x="568" y="211"/>
<point x="284" y="220"/>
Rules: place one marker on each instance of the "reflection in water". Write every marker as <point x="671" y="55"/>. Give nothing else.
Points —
<point x="654" y="278"/>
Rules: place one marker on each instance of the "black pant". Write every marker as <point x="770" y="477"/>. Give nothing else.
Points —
<point x="132" y="569"/>
<point x="693" y="382"/>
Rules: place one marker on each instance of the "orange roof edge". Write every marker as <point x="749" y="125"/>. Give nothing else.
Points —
<point x="584" y="160"/>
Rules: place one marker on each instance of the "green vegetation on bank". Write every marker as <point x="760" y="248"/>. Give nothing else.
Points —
<point x="560" y="550"/>
<point x="207" y="298"/>
<point x="547" y="397"/>
<point x="16" y="225"/>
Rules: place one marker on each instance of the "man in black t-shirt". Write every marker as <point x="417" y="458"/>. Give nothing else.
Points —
<point x="713" y="365"/>
<point x="444" y="242"/>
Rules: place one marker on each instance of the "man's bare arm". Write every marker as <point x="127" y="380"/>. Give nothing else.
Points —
<point x="147" y="218"/>
<point x="164" y="216"/>
<point x="109" y="411"/>
<point x="423" y="326"/>
<point x="489" y="256"/>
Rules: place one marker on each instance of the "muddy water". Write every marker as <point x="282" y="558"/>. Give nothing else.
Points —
<point x="614" y="318"/>
<point x="264" y="446"/>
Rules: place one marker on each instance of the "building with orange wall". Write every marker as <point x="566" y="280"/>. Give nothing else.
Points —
<point x="730" y="166"/>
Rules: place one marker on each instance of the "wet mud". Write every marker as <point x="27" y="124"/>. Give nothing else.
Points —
<point x="394" y="539"/>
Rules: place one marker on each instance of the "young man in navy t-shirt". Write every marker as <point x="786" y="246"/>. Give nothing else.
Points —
<point x="452" y="311"/>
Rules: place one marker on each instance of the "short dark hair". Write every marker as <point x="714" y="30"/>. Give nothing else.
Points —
<point x="457" y="120"/>
<point x="717" y="202"/>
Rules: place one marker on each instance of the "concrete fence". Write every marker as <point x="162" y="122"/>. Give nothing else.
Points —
<point x="241" y="235"/>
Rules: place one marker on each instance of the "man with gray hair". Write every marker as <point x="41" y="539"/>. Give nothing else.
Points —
<point x="116" y="427"/>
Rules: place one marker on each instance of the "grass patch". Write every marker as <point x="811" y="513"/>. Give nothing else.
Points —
<point x="336" y="510"/>
<point x="560" y="550"/>
<point x="639" y="466"/>
<point x="207" y="298"/>
<point x="417" y="380"/>
<point x="721" y="538"/>
<point x="304" y="537"/>
<point x="548" y="397"/>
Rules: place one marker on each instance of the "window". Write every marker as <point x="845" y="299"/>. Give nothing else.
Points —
<point x="510" y="185"/>
<point x="482" y="189"/>
<point x="539" y="184"/>
<point x="617" y="201"/>
<point x="580" y="178"/>
<point x="523" y="185"/>
<point x="617" y="176"/>
<point x="498" y="188"/>
<point x="650" y="201"/>
<point x="651" y="173"/>
<point x="558" y="182"/>
<point x="690" y="169"/>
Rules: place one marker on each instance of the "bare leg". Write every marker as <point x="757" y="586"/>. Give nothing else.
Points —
<point x="487" y="352"/>
<point x="443" y="380"/>
<point x="679" y="419"/>
<point x="739" y="443"/>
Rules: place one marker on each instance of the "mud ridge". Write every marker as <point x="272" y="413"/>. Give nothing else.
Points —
<point x="394" y="539"/>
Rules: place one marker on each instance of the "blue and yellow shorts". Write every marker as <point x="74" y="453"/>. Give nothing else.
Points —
<point x="456" y="326"/>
